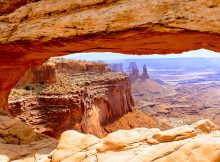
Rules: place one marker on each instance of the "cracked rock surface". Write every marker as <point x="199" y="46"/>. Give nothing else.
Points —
<point x="20" y="142"/>
<point x="197" y="142"/>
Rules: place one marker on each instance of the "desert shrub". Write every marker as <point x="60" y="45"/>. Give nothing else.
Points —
<point x="27" y="88"/>
<point x="42" y="83"/>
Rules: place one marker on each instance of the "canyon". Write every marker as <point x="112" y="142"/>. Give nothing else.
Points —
<point x="183" y="92"/>
<point x="31" y="33"/>
<point x="86" y="96"/>
<point x="34" y="31"/>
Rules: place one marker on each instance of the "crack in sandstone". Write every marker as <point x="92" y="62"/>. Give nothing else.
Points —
<point x="172" y="151"/>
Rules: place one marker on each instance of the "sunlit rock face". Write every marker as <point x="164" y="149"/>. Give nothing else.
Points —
<point x="86" y="97"/>
<point x="19" y="142"/>
<point x="88" y="107"/>
<point x="46" y="73"/>
<point x="33" y="31"/>
<point x="76" y="66"/>
<point x="197" y="142"/>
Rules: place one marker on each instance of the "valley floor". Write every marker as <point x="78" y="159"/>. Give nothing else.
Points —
<point x="177" y="105"/>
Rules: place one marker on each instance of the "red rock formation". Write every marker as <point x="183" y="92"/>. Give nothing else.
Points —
<point x="33" y="31"/>
<point x="88" y="102"/>
<point x="8" y="6"/>
<point x="140" y="144"/>
<point x="104" y="98"/>
<point x="144" y="75"/>
<point x="75" y="66"/>
<point x="46" y="73"/>
<point x="134" y="72"/>
<point x="19" y="142"/>
<point x="116" y="67"/>
<point x="148" y="85"/>
<point x="134" y="75"/>
<point x="196" y="142"/>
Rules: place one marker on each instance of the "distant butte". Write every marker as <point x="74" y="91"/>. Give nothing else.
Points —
<point x="33" y="31"/>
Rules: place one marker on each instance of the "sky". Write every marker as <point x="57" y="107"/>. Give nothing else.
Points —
<point x="202" y="53"/>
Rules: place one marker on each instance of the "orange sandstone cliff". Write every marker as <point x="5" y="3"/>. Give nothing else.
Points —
<point x="45" y="73"/>
<point x="86" y="97"/>
<point x="33" y="31"/>
<point x="78" y="66"/>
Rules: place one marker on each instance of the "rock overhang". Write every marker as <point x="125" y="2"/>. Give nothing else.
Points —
<point x="33" y="31"/>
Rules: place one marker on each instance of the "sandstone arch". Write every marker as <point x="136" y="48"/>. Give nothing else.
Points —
<point x="34" y="30"/>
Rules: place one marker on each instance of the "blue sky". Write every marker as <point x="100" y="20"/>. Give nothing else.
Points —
<point x="115" y="56"/>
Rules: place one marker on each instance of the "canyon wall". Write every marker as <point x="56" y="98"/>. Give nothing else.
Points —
<point x="85" y="109"/>
<point x="86" y="97"/>
<point x="78" y="66"/>
<point x="46" y="73"/>
<point x="33" y="31"/>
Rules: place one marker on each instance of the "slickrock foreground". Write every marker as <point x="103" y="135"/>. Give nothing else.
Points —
<point x="197" y="142"/>
<point x="18" y="141"/>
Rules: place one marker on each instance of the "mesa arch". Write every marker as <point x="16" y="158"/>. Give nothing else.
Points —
<point x="33" y="31"/>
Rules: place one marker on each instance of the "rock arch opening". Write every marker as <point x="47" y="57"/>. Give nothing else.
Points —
<point x="179" y="89"/>
<point x="169" y="89"/>
<point x="32" y="31"/>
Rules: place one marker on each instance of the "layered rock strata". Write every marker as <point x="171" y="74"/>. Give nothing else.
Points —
<point x="33" y="31"/>
<point x="79" y="101"/>
<point x="70" y="66"/>
<point x="44" y="74"/>
<point x="96" y="103"/>
<point x="86" y="97"/>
